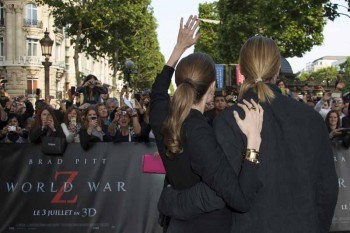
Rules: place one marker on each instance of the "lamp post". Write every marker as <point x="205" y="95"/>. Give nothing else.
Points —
<point x="129" y="66"/>
<point x="46" y="49"/>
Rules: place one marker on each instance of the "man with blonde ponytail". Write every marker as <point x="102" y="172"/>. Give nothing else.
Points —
<point x="300" y="185"/>
<point x="188" y="147"/>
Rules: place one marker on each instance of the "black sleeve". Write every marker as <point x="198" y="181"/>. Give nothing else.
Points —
<point x="190" y="203"/>
<point x="29" y="111"/>
<point x="35" y="135"/>
<point x="101" y="89"/>
<point x="208" y="160"/>
<point x="160" y="100"/>
<point x="69" y="104"/>
<point x="80" y="89"/>
<point x="84" y="138"/>
<point x="159" y="105"/>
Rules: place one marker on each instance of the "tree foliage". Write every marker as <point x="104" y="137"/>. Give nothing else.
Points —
<point x="325" y="74"/>
<point x="303" y="76"/>
<point x="209" y="32"/>
<point x="296" y="25"/>
<point x="345" y="71"/>
<point x="115" y="29"/>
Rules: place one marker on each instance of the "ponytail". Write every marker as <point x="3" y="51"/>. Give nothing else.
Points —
<point x="260" y="62"/>
<point x="180" y="108"/>
<point x="265" y="94"/>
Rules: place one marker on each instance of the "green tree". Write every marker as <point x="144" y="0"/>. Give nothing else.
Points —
<point x="345" y="70"/>
<point x="131" y="35"/>
<point x="209" y="31"/>
<point x="75" y="16"/>
<point x="295" y="25"/>
<point x="328" y="74"/>
<point x="304" y="76"/>
<point x="110" y="28"/>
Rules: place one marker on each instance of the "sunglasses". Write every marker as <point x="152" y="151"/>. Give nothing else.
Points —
<point x="337" y="101"/>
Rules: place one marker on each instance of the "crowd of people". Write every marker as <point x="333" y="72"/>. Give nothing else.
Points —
<point x="88" y="115"/>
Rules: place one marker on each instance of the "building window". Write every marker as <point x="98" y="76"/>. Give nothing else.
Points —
<point x="2" y="15"/>
<point x="32" y="47"/>
<point x="58" y="52"/>
<point x="2" y="47"/>
<point x="32" y="85"/>
<point x="31" y="15"/>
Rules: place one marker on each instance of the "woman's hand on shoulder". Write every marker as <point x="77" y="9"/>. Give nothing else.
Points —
<point x="251" y="125"/>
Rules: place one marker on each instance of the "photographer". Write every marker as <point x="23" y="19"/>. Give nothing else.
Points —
<point x="3" y="97"/>
<point x="21" y="107"/>
<point x="46" y="125"/>
<point x="71" y="125"/>
<point x="92" y="130"/>
<point x="91" y="90"/>
<point x="125" y="126"/>
<point x="12" y="133"/>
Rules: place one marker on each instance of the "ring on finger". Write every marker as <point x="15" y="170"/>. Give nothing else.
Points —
<point x="253" y="108"/>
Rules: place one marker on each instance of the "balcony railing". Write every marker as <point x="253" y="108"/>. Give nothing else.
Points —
<point x="29" y="60"/>
<point x="33" y="23"/>
<point x="60" y="64"/>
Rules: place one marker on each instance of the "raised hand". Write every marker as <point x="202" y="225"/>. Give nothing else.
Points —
<point x="185" y="39"/>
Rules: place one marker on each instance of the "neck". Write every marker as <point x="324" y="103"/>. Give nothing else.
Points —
<point x="333" y="127"/>
<point x="200" y="106"/>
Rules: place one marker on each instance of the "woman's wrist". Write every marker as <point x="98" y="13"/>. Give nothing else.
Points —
<point x="252" y="155"/>
<point x="254" y="142"/>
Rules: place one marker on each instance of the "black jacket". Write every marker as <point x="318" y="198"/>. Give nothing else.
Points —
<point x="202" y="158"/>
<point x="300" y="185"/>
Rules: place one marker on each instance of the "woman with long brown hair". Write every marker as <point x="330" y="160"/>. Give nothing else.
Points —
<point x="187" y="144"/>
<point x="91" y="89"/>
<point x="46" y="125"/>
<point x="72" y="124"/>
<point x="92" y="130"/>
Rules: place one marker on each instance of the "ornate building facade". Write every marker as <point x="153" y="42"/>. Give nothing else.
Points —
<point x="22" y="25"/>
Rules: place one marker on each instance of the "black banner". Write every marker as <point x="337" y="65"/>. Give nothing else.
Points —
<point x="99" y="190"/>
<point x="341" y="219"/>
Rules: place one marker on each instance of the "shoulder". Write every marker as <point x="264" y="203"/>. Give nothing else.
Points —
<point x="195" y="122"/>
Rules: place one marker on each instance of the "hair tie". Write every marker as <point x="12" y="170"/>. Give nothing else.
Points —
<point x="188" y="82"/>
<point x="258" y="80"/>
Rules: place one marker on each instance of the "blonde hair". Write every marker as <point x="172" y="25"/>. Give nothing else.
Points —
<point x="193" y="76"/>
<point x="260" y="62"/>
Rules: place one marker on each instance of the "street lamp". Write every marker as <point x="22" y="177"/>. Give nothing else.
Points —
<point x="46" y="49"/>
<point x="129" y="66"/>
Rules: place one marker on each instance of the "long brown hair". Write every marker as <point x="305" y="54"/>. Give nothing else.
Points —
<point x="38" y="120"/>
<point x="69" y="110"/>
<point x="260" y="62"/>
<point x="193" y="76"/>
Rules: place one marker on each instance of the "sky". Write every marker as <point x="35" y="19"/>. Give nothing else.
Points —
<point x="168" y="13"/>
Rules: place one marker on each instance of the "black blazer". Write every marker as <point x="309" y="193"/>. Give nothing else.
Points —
<point x="300" y="185"/>
<point x="202" y="158"/>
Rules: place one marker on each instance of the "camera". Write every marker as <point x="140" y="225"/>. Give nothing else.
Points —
<point x="12" y="128"/>
<point x="74" y="121"/>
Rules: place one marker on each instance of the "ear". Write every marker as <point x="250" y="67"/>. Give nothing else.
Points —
<point x="213" y="87"/>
